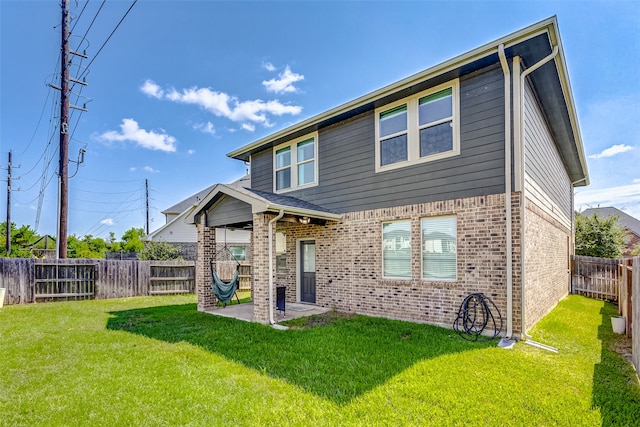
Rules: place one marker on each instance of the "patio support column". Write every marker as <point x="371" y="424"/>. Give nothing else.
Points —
<point x="206" y="254"/>
<point x="260" y="267"/>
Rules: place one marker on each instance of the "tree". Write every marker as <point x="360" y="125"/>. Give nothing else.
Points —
<point x="131" y="240"/>
<point x="87" y="247"/>
<point x="21" y="238"/>
<point x="160" y="251"/>
<point x="598" y="237"/>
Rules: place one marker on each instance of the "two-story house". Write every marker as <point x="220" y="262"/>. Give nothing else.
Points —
<point x="399" y="203"/>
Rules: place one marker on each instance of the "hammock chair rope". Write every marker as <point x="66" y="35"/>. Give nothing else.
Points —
<point x="225" y="291"/>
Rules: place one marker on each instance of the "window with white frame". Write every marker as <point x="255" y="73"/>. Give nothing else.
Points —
<point x="396" y="249"/>
<point x="239" y="253"/>
<point x="439" y="248"/>
<point x="295" y="163"/>
<point x="420" y="128"/>
<point x="281" y="252"/>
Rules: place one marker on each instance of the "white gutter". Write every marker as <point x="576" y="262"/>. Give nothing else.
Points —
<point x="273" y="221"/>
<point x="507" y="186"/>
<point x="523" y="202"/>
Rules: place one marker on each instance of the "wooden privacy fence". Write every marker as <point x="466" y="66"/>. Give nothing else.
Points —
<point x="226" y="270"/>
<point x="38" y="280"/>
<point x="595" y="277"/>
<point x="613" y="280"/>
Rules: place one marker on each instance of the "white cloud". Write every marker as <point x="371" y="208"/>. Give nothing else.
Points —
<point x="108" y="221"/>
<point x="249" y="127"/>
<point x="622" y="197"/>
<point x="130" y="131"/>
<point x="152" y="89"/>
<point x="133" y="169"/>
<point x="205" y="128"/>
<point x="223" y="105"/>
<point x="636" y="181"/>
<point x="612" y="151"/>
<point x="150" y="169"/>
<point x="190" y="152"/>
<point x="269" y="66"/>
<point x="284" y="82"/>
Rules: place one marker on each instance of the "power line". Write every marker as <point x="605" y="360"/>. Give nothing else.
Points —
<point x="79" y="16"/>
<point x="108" y="38"/>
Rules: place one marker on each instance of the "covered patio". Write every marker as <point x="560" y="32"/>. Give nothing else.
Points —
<point x="263" y="213"/>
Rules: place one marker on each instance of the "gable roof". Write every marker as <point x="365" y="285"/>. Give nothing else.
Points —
<point x="262" y="201"/>
<point x="531" y="44"/>
<point x="625" y="220"/>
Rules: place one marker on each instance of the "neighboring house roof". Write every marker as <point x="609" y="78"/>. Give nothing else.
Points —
<point x="531" y="44"/>
<point x="625" y="220"/>
<point x="195" y="198"/>
<point x="185" y="207"/>
<point x="262" y="201"/>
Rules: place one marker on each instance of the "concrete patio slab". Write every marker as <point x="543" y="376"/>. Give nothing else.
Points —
<point x="245" y="311"/>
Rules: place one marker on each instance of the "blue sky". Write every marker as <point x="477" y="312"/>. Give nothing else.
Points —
<point x="181" y="83"/>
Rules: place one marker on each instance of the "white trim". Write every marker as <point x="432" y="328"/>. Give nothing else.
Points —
<point x="413" y="127"/>
<point x="293" y="166"/>
<point x="258" y="204"/>
<point x="548" y="26"/>
<point x="151" y="236"/>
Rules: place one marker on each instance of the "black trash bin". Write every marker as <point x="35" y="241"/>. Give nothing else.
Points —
<point x="280" y="297"/>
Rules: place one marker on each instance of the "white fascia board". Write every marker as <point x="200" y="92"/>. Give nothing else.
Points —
<point x="304" y="212"/>
<point x="531" y="31"/>
<point x="149" y="237"/>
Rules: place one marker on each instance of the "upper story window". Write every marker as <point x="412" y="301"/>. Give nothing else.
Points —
<point x="420" y="128"/>
<point x="295" y="164"/>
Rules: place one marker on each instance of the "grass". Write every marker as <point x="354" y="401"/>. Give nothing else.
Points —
<point x="157" y="361"/>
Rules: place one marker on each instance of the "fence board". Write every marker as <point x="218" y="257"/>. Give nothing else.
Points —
<point x="595" y="277"/>
<point x="31" y="280"/>
<point x="226" y="270"/>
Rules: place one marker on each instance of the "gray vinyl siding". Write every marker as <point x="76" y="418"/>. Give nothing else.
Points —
<point x="229" y="211"/>
<point x="346" y="158"/>
<point x="543" y="164"/>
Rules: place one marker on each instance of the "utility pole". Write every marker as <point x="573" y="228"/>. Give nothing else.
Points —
<point x="63" y="176"/>
<point x="9" y="206"/>
<point x="146" y="185"/>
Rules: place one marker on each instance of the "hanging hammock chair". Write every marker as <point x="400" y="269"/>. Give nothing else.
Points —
<point x="225" y="291"/>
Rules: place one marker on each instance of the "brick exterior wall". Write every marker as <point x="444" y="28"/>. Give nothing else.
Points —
<point x="188" y="250"/>
<point x="547" y="255"/>
<point x="206" y="253"/>
<point x="260" y="267"/>
<point x="349" y="261"/>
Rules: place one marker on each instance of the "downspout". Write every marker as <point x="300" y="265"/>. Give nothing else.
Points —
<point x="523" y="202"/>
<point x="507" y="186"/>
<point x="273" y="221"/>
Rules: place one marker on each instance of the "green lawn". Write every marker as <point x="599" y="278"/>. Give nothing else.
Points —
<point x="157" y="361"/>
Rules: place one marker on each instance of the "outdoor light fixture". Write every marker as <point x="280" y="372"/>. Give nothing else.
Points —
<point x="304" y="220"/>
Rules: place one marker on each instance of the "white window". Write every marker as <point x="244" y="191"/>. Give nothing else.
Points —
<point x="421" y="128"/>
<point x="281" y="252"/>
<point x="295" y="164"/>
<point x="396" y="249"/>
<point x="439" y="248"/>
<point x="239" y="253"/>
